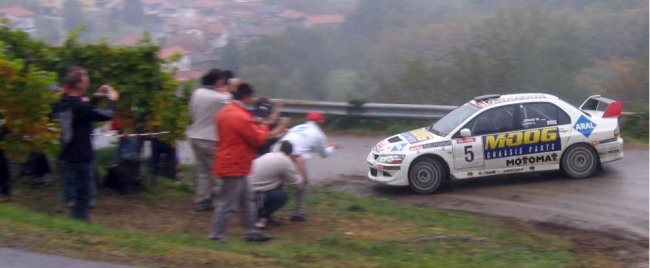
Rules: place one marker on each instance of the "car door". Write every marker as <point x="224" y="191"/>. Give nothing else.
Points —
<point x="544" y="129"/>
<point x="487" y="128"/>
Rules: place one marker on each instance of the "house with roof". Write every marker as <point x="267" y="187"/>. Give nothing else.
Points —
<point x="183" y="63"/>
<point x="324" y="20"/>
<point x="19" y="18"/>
<point x="209" y="29"/>
<point x="290" y="17"/>
<point x="182" y="67"/>
<point x="169" y="10"/>
<point x="152" y="7"/>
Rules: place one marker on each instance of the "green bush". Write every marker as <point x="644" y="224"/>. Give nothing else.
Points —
<point x="635" y="126"/>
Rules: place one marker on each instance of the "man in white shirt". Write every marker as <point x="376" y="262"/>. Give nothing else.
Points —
<point x="205" y="102"/>
<point x="307" y="139"/>
<point x="270" y="172"/>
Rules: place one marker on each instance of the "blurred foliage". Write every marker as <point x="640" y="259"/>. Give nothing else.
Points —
<point x="150" y="98"/>
<point x="25" y="109"/>
<point x="444" y="52"/>
<point x="636" y="126"/>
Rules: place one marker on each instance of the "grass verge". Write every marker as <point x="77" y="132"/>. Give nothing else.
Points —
<point x="156" y="228"/>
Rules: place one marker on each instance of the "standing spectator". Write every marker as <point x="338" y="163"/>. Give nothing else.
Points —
<point x="5" y="179"/>
<point x="307" y="139"/>
<point x="269" y="174"/>
<point x="240" y="136"/>
<point x="77" y="116"/>
<point x="5" y="176"/>
<point x="205" y="102"/>
<point x="38" y="167"/>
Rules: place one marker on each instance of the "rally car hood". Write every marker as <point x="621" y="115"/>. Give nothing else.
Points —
<point x="408" y="141"/>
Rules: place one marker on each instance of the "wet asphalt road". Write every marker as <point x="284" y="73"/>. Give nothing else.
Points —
<point x="21" y="259"/>
<point x="615" y="201"/>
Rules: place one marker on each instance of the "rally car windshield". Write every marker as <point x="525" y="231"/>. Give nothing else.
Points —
<point x="454" y="118"/>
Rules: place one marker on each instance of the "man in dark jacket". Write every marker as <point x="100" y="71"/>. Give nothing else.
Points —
<point x="5" y="186"/>
<point x="77" y="115"/>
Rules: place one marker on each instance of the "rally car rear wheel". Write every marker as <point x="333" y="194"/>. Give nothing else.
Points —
<point x="426" y="175"/>
<point x="580" y="161"/>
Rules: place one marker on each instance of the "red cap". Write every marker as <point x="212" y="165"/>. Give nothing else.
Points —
<point x="316" y="117"/>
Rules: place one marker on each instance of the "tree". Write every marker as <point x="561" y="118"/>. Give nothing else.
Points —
<point x="264" y="78"/>
<point x="230" y="59"/>
<point x="313" y="76"/>
<point x="25" y="100"/>
<point x="522" y="50"/>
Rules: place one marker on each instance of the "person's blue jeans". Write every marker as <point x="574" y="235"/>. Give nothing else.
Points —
<point x="80" y="175"/>
<point x="126" y="147"/>
<point x="270" y="201"/>
<point x="69" y="190"/>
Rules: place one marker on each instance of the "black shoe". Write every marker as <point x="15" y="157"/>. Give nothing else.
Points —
<point x="298" y="218"/>
<point x="258" y="238"/>
<point x="203" y="206"/>
<point x="35" y="181"/>
<point x="218" y="240"/>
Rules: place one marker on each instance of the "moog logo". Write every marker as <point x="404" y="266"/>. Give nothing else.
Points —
<point x="521" y="143"/>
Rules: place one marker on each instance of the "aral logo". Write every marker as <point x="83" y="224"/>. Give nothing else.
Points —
<point x="584" y="126"/>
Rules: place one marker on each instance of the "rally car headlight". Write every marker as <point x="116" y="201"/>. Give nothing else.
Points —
<point x="391" y="158"/>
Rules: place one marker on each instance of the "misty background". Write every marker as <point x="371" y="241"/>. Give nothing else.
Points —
<point x="408" y="51"/>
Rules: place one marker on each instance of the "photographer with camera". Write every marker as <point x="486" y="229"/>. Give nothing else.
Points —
<point x="268" y="112"/>
<point x="77" y="113"/>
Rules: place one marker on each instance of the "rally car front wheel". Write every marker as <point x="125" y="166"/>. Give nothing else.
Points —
<point x="580" y="161"/>
<point x="426" y="175"/>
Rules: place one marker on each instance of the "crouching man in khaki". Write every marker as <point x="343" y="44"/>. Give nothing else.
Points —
<point x="270" y="172"/>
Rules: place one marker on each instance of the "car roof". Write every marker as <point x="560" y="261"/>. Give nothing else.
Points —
<point x="498" y="100"/>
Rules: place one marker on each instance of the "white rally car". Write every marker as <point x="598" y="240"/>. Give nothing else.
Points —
<point x="502" y="134"/>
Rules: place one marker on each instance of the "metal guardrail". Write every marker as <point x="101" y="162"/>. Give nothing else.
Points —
<point x="394" y="110"/>
<point x="368" y="109"/>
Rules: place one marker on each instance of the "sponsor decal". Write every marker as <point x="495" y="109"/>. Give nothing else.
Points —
<point x="531" y="160"/>
<point x="515" y="98"/>
<point x="418" y="135"/>
<point x="398" y="147"/>
<point x="513" y="170"/>
<point x="487" y="172"/>
<point x="430" y="145"/>
<point x="465" y="140"/>
<point x="480" y="104"/>
<point x="381" y="144"/>
<point x="521" y="143"/>
<point x="584" y="126"/>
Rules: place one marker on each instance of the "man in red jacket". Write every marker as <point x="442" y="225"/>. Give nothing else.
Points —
<point x="239" y="137"/>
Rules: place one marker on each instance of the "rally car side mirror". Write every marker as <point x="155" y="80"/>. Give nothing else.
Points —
<point x="465" y="132"/>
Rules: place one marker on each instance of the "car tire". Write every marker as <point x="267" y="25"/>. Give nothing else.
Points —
<point x="580" y="161"/>
<point x="426" y="175"/>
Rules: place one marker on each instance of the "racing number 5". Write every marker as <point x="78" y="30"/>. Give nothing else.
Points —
<point x="469" y="155"/>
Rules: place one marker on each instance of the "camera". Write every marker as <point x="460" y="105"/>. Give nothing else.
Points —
<point x="263" y="108"/>
<point x="103" y="90"/>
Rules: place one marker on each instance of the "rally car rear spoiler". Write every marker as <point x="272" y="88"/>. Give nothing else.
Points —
<point x="609" y="107"/>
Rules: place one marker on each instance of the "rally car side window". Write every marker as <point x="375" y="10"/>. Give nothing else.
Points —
<point x="537" y="115"/>
<point x="499" y="119"/>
